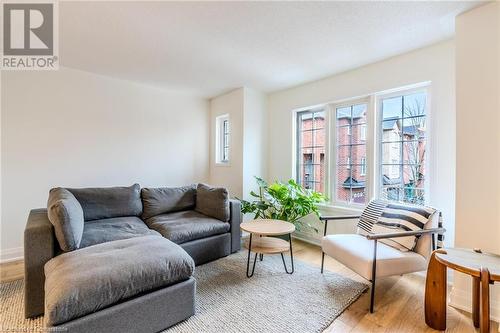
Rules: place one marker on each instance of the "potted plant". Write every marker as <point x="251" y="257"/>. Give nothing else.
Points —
<point x="283" y="201"/>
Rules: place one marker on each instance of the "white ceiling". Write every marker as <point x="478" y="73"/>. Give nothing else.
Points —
<point x="207" y="48"/>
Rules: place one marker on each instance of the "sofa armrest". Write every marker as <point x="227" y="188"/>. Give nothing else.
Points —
<point x="39" y="247"/>
<point x="235" y="221"/>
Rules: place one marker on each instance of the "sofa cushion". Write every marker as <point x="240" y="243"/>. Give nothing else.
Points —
<point x="106" y="230"/>
<point x="84" y="281"/>
<point x="163" y="200"/>
<point x="185" y="226"/>
<point x="66" y="215"/>
<point x="106" y="202"/>
<point x="213" y="202"/>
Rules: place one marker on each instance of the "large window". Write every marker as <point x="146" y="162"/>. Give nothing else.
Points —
<point x="310" y="166"/>
<point x="350" y="153"/>
<point x="378" y="148"/>
<point x="402" y="146"/>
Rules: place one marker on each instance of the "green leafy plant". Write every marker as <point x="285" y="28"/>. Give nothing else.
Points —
<point x="283" y="201"/>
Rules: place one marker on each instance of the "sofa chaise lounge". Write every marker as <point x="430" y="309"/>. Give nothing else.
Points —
<point x="180" y="226"/>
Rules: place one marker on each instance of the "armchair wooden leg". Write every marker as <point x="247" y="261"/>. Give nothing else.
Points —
<point x="322" y="261"/>
<point x="374" y="274"/>
<point x="435" y="294"/>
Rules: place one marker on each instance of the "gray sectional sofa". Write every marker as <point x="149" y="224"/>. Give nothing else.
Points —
<point x="122" y="258"/>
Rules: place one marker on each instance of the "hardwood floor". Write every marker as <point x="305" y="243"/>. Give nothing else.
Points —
<point x="11" y="271"/>
<point x="399" y="305"/>
<point x="399" y="300"/>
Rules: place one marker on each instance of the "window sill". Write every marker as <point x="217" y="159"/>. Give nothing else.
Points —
<point x="339" y="209"/>
<point x="222" y="164"/>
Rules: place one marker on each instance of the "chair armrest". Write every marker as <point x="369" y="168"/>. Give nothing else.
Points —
<point x="39" y="247"/>
<point x="405" y="233"/>
<point x="345" y="217"/>
<point x="235" y="221"/>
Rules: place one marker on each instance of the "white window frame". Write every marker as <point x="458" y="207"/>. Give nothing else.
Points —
<point x="424" y="87"/>
<point x="219" y="140"/>
<point x="368" y="100"/>
<point x="296" y="142"/>
<point x="373" y="143"/>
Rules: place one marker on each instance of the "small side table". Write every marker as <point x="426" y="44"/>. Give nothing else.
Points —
<point x="262" y="244"/>
<point x="484" y="268"/>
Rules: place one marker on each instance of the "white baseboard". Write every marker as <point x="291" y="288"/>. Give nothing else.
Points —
<point x="462" y="300"/>
<point x="307" y="238"/>
<point x="12" y="254"/>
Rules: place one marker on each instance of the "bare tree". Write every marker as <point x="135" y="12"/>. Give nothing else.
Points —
<point x="413" y="131"/>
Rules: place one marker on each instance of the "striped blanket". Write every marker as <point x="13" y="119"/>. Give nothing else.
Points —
<point x="385" y="217"/>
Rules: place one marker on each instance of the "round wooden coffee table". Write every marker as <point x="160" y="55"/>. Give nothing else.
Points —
<point x="260" y="243"/>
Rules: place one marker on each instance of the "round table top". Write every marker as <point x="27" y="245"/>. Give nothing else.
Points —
<point x="268" y="227"/>
<point x="470" y="262"/>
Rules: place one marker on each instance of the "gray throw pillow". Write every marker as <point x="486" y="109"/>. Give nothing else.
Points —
<point x="66" y="215"/>
<point x="107" y="202"/>
<point x="156" y="201"/>
<point x="213" y="202"/>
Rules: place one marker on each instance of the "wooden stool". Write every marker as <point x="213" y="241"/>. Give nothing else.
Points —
<point x="484" y="268"/>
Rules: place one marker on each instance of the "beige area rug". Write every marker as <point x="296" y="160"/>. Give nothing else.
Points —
<point x="228" y="301"/>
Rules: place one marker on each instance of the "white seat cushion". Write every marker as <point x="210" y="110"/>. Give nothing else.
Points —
<point x="356" y="252"/>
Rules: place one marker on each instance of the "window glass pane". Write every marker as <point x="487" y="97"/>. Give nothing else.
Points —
<point x="343" y="116"/>
<point x="392" y="108"/>
<point x="351" y="186"/>
<point x="311" y="150"/>
<point x="413" y="128"/>
<point x="392" y="192"/>
<point x="358" y="185"/>
<point x="414" y="104"/>
<point x="318" y="138"/>
<point x="391" y="173"/>
<point x="359" y="114"/>
<point x="357" y="135"/>
<point x="391" y="130"/>
<point x="319" y="119"/>
<point x="343" y="154"/>
<point x="222" y="140"/>
<point x="414" y="152"/>
<point x="403" y="163"/>
<point x="363" y="167"/>
<point x="351" y="153"/>
<point x="357" y="153"/>
<point x="343" y="135"/>
<point x="391" y="153"/>
<point x="343" y="191"/>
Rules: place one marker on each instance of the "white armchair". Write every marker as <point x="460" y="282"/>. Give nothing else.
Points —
<point x="367" y="252"/>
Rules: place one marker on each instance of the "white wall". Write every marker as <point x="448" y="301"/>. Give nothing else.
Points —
<point x="247" y="142"/>
<point x="229" y="175"/>
<point x="434" y="63"/>
<point x="254" y="140"/>
<point x="72" y="128"/>
<point x="478" y="141"/>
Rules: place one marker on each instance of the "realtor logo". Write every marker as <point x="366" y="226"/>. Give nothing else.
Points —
<point x="29" y="36"/>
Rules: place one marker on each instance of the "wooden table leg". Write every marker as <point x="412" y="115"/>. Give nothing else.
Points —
<point x="485" y="301"/>
<point x="476" y="282"/>
<point x="435" y="294"/>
